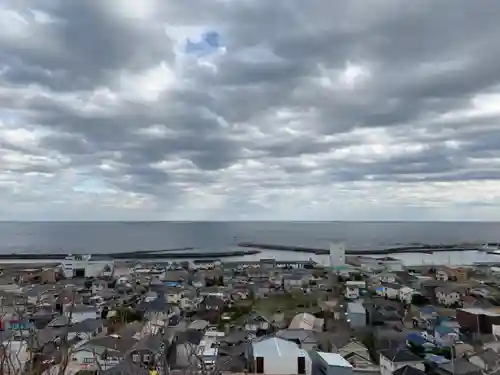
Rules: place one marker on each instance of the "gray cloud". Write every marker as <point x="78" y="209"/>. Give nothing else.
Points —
<point x="101" y="108"/>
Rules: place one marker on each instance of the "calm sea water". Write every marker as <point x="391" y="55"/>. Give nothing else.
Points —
<point x="109" y="237"/>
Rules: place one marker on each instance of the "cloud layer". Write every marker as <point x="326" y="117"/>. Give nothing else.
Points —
<point x="327" y="110"/>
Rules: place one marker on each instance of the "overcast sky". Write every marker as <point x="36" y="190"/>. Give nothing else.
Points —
<point x="293" y="110"/>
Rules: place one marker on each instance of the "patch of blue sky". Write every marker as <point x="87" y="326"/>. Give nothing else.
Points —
<point x="208" y="43"/>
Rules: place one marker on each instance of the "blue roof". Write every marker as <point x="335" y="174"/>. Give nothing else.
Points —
<point x="171" y="283"/>
<point x="443" y="329"/>
<point x="444" y="319"/>
<point x="429" y="309"/>
<point x="436" y="359"/>
<point x="415" y="339"/>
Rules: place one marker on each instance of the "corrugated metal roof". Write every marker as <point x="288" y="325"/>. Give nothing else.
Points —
<point x="276" y="347"/>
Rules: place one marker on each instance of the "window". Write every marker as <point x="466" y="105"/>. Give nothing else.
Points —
<point x="146" y="357"/>
<point x="301" y="365"/>
<point x="259" y="365"/>
<point x="135" y="358"/>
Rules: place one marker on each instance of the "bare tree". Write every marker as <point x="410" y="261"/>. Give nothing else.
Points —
<point x="21" y="350"/>
<point x="198" y="364"/>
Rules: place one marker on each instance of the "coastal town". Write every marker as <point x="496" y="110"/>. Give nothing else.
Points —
<point x="357" y="315"/>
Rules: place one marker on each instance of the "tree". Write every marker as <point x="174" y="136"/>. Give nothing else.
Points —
<point x="22" y="352"/>
<point x="198" y="365"/>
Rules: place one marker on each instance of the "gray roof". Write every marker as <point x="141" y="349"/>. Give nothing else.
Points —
<point x="459" y="367"/>
<point x="297" y="334"/>
<point x="199" y="324"/>
<point x="59" y="321"/>
<point x="46" y="335"/>
<point x="408" y="370"/>
<point x="120" y="344"/>
<point x="152" y="343"/>
<point x="126" y="367"/>
<point x="130" y="329"/>
<point x="489" y="356"/>
<point x="400" y="355"/>
<point x="87" y="325"/>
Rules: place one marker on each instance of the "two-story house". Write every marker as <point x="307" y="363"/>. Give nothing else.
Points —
<point x="256" y="322"/>
<point x="387" y="277"/>
<point x="259" y="273"/>
<point x="406" y="294"/>
<point x="393" y="359"/>
<point x="353" y="289"/>
<point x="447" y="296"/>
<point x="148" y="351"/>
<point x="388" y="290"/>
<point x="87" y="329"/>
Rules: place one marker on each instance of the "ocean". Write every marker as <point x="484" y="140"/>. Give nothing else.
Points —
<point x="109" y="237"/>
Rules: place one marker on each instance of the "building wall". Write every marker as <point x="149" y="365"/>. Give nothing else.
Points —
<point x="93" y="268"/>
<point x="324" y="369"/>
<point x="282" y="360"/>
<point x="86" y="360"/>
<point x="357" y="320"/>
<point x="286" y="364"/>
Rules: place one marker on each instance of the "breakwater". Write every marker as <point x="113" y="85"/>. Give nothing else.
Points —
<point x="424" y="249"/>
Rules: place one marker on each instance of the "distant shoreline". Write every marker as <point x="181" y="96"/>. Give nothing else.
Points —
<point x="135" y="255"/>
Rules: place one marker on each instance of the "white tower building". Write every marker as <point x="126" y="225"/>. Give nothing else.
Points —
<point x="337" y="255"/>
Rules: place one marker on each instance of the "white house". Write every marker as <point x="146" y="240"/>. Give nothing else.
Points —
<point x="442" y="275"/>
<point x="447" y="297"/>
<point x="357" y="355"/>
<point x="387" y="277"/>
<point x="93" y="358"/>
<point x="352" y="289"/>
<point x="275" y="356"/>
<point x="394" y="359"/>
<point x="388" y="290"/>
<point x="87" y="329"/>
<point x="173" y="296"/>
<point x="189" y="303"/>
<point x="84" y="266"/>
<point x="406" y="294"/>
